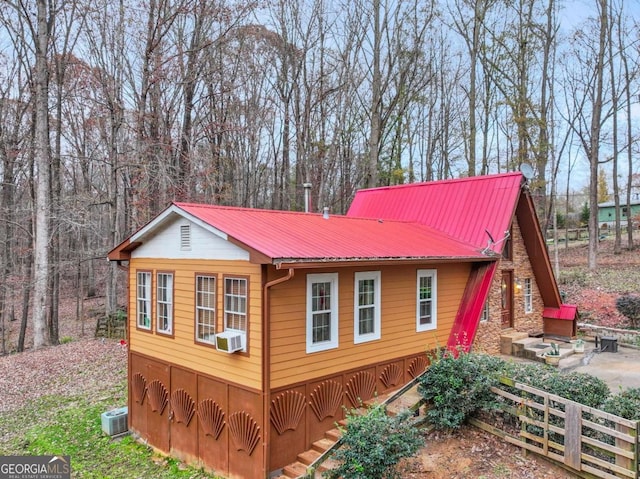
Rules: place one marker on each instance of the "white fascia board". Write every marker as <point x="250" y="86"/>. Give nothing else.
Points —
<point x="150" y="227"/>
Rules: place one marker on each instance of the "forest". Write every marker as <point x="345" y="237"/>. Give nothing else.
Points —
<point x="111" y="109"/>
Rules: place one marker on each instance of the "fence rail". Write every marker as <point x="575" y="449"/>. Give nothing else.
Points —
<point x="591" y="442"/>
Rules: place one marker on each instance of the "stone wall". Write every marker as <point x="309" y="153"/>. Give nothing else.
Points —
<point x="488" y="337"/>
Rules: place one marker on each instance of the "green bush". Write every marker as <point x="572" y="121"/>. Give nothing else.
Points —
<point x="628" y="305"/>
<point x="579" y="387"/>
<point x="457" y="387"/>
<point x="374" y="443"/>
<point x="626" y="404"/>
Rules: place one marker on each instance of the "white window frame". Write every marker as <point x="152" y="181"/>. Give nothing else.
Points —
<point x="357" y="308"/>
<point x="433" y="274"/>
<point x="143" y="299"/>
<point x="206" y="310"/>
<point x="528" y="295"/>
<point x="484" y="314"/>
<point x="164" y="302"/>
<point x="236" y="304"/>
<point x="332" y="343"/>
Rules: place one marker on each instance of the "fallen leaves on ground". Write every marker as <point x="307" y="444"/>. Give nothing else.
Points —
<point x="471" y="453"/>
<point x="88" y="367"/>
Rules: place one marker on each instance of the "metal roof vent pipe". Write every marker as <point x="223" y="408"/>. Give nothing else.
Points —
<point x="325" y="212"/>
<point x="307" y="196"/>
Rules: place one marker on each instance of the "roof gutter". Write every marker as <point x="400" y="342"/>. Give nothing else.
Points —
<point x="266" y="355"/>
<point x="308" y="263"/>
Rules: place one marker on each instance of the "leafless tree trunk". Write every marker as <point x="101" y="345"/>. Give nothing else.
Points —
<point x="614" y="107"/>
<point x="371" y="174"/>
<point x="595" y="128"/>
<point x="68" y="35"/>
<point x="41" y="296"/>
<point x="628" y="76"/>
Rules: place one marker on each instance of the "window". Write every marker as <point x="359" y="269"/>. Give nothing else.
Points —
<point x="528" y="296"/>
<point x="235" y="304"/>
<point x="206" y="309"/>
<point x="484" y="316"/>
<point x="322" y="312"/>
<point x="164" y="302"/>
<point x="507" y="249"/>
<point x="143" y="302"/>
<point x="426" y="300"/>
<point x="366" y="307"/>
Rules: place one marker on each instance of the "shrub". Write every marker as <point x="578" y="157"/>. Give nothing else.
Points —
<point x="457" y="387"/>
<point x="579" y="387"/>
<point x="374" y="443"/>
<point x="628" y="305"/>
<point x="626" y="404"/>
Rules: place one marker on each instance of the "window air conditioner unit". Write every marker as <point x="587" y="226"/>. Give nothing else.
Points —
<point x="115" y="422"/>
<point x="230" y="341"/>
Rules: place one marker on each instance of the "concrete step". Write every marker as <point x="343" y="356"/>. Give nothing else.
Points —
<point x="326" y="465"/>
<point x="323" y="445"/>
<point x="308" y="457"/>
<point x="295" y="469"/>
<point x="333" y="434"/>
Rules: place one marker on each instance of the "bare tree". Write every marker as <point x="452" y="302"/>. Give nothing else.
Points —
<point x="40" y="31"/>
<point x="468" y="20"/>
<point x="629" y="73"/>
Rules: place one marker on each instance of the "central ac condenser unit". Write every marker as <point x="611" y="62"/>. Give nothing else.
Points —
<point x="115" y="422"/>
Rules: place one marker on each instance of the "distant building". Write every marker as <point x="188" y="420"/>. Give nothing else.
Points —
<point x="607" y="213"/>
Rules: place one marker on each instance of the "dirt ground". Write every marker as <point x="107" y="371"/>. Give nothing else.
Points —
<point x="471" y="453"/>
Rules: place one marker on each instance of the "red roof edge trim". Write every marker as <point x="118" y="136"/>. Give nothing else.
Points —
<point x="465" y="326"/>
<point x="568" y="312"/>
<point x="447" y="181"/>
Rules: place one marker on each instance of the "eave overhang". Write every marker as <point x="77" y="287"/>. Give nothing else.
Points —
<point x="308" y="263"/>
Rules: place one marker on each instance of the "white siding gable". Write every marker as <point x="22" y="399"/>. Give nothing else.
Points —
<point x="169" y="242"/>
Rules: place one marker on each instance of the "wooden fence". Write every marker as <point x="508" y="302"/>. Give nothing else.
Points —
<point x="588" y="441"/>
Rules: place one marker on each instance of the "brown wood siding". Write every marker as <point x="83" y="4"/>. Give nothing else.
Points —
<point x="181" y="349"/>
<point x="301" y="413"/>
<point x="290" y="362"/>
<point x="225" y="430"/>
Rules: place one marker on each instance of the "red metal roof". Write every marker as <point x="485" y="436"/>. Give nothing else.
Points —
<point x="463" y="208"/>
<point x="290" y="237"/>
<point x="565" y="311"/>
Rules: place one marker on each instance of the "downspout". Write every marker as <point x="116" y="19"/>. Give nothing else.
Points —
<point x="266" y="360"/>
<point x="126" y="269"/>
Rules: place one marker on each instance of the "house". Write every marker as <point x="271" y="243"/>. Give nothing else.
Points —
<point x="494" y="213"/>
<point x="607" y="213"/>
<point x="250" y="330"/>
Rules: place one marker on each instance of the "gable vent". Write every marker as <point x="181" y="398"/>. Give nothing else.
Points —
<point x="185" y="237"/>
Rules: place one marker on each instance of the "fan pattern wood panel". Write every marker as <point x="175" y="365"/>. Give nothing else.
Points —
<point x="418" y="366"/>
<point x="361" y="387"/>
<point x="183" y="406"/>
<point x="326" y="398"/>
<point x="244" y="431"/>
<point x="138" y="387"/>
<point x="211" y="418"/>
<point x="287" y="410"/>
<point x="391" y="376"/>
<point x="158" y="396"/>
